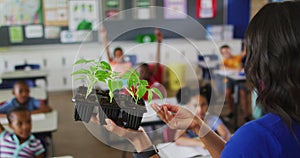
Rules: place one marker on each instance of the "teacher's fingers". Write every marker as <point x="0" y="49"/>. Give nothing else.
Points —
<point x="159" y="111"/>
<point x="168" y="115"/>
<point x="110" y="125"/>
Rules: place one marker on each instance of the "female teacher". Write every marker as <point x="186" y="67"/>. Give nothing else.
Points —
<point x="273" y="70"/>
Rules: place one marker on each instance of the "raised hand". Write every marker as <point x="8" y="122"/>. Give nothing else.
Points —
<point x="103" y="32"/>
<point x="159" y="35"/>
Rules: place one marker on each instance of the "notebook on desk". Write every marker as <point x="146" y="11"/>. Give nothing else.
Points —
<point x="171" y="150"/>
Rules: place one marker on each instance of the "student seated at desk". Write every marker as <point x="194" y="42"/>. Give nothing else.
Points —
<point x="20" y="143"/>
<point x="21" y="92"/>
<point x="199" y="102"/>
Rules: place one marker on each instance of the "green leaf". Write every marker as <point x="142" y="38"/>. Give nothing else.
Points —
<point x="141" y="90"/>
<point x="133" y="80"/>
<point x="144" y="82"/>
<point x="79" y="78"/>
<point x="156" y="91"/>
<point x="111" y="94"/>
<point x="109" y="85"/>
<point x="130" y="92"/>
<point x="150" y="95"/>
<point x="114" y="85"/>
<point x="117" y="84"/>
<point x="105" y="66"/>
<point x="90" y="88"/>
<point x="81" y="72"/>
<point x="93" y="68"/>
<point x="83" y="61"/>
<point x="102" y="75"/>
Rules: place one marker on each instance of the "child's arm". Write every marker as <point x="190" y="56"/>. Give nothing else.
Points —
<point x="103" y="34"/>
<point x="43" y="108"/>
<point x="159" y="38"/>
<point x="224" y="132"/>
<point x="2" y="115"/>
<point x="180" y="139"/>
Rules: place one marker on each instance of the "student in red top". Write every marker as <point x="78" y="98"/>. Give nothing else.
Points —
<point x="153" y="76"/>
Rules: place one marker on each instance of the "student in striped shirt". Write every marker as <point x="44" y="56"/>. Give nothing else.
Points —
<point x="20" y="143"/>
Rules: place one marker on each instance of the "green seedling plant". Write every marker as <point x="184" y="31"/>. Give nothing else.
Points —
<point x="100" y="71"/>
<point x="137" y="88"/>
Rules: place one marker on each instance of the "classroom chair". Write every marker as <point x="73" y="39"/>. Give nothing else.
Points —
<point x="206" y="70"/>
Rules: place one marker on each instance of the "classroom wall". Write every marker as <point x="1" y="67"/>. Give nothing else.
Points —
<point x="171" y="28"/>
<point x="58" y="59"/>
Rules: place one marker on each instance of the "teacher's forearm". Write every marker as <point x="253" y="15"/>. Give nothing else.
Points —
<point x="214" y="143"/>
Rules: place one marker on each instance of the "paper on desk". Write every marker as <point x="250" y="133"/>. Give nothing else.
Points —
<point x="34" y="117"/>
<point x="226" y="72"/>
<point x="171" y="150"/>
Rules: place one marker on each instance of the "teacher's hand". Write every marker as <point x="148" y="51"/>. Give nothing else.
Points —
<point x="139" y="139"/>
<point x="177" y="117"/>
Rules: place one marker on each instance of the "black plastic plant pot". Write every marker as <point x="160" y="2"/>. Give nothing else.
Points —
<point x="84" y="106"/>
<point x="84" y="112"/>
<point x="109" y="111"/>
<point x="132" y="112"/>
<point x="132" y="119"/>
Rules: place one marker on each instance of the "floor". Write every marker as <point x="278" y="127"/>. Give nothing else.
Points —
<point x="73" y="138"/>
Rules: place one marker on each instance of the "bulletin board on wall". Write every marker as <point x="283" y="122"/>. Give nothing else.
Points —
<point x="170" y="22"/>
<point x="43" y="21"/>
<point x="31" y="22"/>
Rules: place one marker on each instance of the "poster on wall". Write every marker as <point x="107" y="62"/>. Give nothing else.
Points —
<point x="143" y="10"/>
<point x="16" y="34"/>
<point x="34" y="31"/>
<point x="16" y="12"/>
<point x="112" y="9"/>
<point x="83" y="15"/>
<point x="55" y="12"/>
<point x="206" y="8"/>
<point x="175" y="9"/>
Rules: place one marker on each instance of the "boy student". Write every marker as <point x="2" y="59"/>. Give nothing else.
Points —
<point x="21" y="92"/>
<point x="20" y="143"/>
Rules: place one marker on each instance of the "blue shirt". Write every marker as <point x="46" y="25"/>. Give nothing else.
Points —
<point x="268" y="136"/>
<point x="212" y="121"/>
<point x="31" y="105"/>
